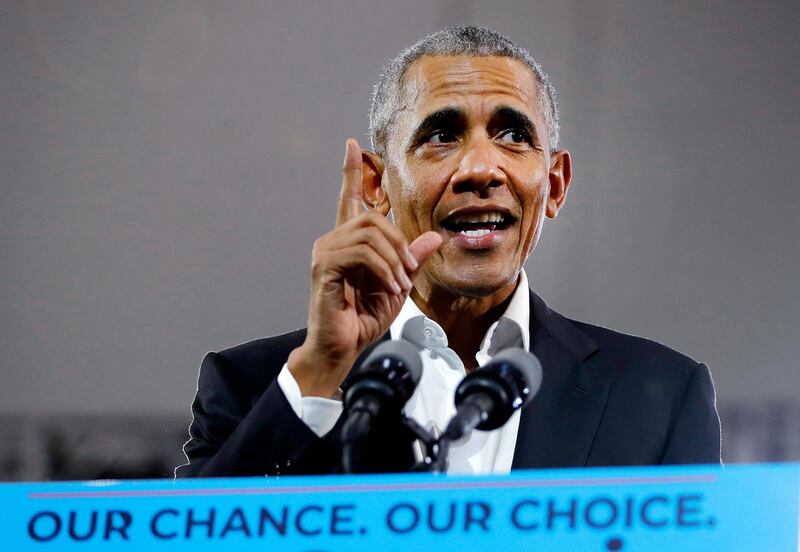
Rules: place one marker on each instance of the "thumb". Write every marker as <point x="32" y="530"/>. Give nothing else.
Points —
<point x="425" y="246"/>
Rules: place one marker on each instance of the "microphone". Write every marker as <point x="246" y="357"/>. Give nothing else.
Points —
<point x="377" y="393"/>
<point x="486" y="398"/>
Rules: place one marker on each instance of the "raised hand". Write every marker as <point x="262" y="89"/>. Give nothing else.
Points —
<point x="361" y="274"/>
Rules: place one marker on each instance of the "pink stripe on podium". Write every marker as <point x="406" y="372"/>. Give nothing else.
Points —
<point x="381" y="487"/>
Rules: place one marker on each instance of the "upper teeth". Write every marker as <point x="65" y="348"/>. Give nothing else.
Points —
<point x="488" y="216"/>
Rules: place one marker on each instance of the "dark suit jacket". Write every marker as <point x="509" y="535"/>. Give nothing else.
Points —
<point x="607" y="399"/>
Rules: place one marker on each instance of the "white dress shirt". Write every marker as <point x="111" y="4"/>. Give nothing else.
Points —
<point x="431" y="404"/>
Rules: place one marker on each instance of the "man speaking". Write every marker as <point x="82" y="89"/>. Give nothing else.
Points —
<point x="433" y="227"/>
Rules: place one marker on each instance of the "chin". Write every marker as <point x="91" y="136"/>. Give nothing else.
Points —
<point x="477" y="281"/>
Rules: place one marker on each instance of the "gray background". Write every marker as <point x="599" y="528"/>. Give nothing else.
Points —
<point x="166" y="166"/>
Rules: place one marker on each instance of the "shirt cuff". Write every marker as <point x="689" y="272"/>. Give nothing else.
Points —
<point x="318" y="413"/>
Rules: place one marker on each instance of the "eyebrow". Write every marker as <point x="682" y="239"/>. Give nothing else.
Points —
<point x="454" y="117"/>
<point x="446" y="118"/>
<point x="510" y="117"/>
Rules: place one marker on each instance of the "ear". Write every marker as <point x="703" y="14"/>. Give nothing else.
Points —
<point x="560" y="177"/>
<point x="372" y="192"/>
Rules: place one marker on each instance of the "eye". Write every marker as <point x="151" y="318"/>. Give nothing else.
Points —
<point x="441" y="137"/>
<point x="514" y="136"/>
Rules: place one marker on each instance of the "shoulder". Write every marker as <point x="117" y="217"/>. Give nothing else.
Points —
<point x="628" y="346"/>
<point x="661" y="400"/>
<point x="251" y="366"/>
<point x="641" y="361"/>
<point x="265" y="351"/>
<point x="599" y="345"/>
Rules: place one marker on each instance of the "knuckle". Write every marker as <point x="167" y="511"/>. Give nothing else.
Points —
<point x="319" y="252"/>
<point x="374" y="259"/>
<point x="391" y="231"/>
<point x="374" y="218"/>
<point x="366" y="252"/>
<point x="366" y="237"/>
<point x="317" y="267"/>
<point x="357" y="221"/>
<point x="370" y="235"/>
<point x="319" y="246"/>
<point x="317" y="255"/>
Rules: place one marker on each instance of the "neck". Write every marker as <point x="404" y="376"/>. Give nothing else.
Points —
<point x="465" y="320"/>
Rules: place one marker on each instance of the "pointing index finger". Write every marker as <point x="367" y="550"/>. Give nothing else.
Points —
<point x="350" y="195"/>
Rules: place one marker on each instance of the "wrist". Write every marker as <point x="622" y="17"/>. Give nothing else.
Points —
<point x="315" y="374"/>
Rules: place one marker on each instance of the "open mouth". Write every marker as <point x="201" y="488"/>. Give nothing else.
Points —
<point x="477" y="224"/>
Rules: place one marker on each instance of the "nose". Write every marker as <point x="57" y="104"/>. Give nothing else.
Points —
<point x="477" y="169"/>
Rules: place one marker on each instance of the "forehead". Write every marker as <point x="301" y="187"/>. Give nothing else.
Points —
<point x="469" y="82"/>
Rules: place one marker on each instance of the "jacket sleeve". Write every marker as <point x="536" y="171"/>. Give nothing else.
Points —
<point x="234" y="434"/>
<point x="695" y="433"/>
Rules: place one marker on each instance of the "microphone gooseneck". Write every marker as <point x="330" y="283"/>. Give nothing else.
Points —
<point x="486" y="398"/>
<point x="377" y="391"/>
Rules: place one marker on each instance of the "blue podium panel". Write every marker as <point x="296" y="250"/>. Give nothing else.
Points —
<point x="703" y="508"/>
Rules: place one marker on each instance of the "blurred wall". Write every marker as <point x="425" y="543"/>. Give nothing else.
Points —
<point x="166" y="166"/>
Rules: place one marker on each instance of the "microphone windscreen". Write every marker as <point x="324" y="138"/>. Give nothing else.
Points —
<point x="400" y="350"/>
<point x="529" y="368"/>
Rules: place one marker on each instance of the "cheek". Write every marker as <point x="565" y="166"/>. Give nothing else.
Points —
<point x="403" y="182"/>
<point x="534" y="213"/>
<point x="404" y="204"/>
<point x="412" y="198"/>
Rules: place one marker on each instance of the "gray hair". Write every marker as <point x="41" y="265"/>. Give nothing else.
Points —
<point x="452" y="41"/>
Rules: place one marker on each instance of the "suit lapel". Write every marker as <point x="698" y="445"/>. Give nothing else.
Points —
<point x="558" y="427"/>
